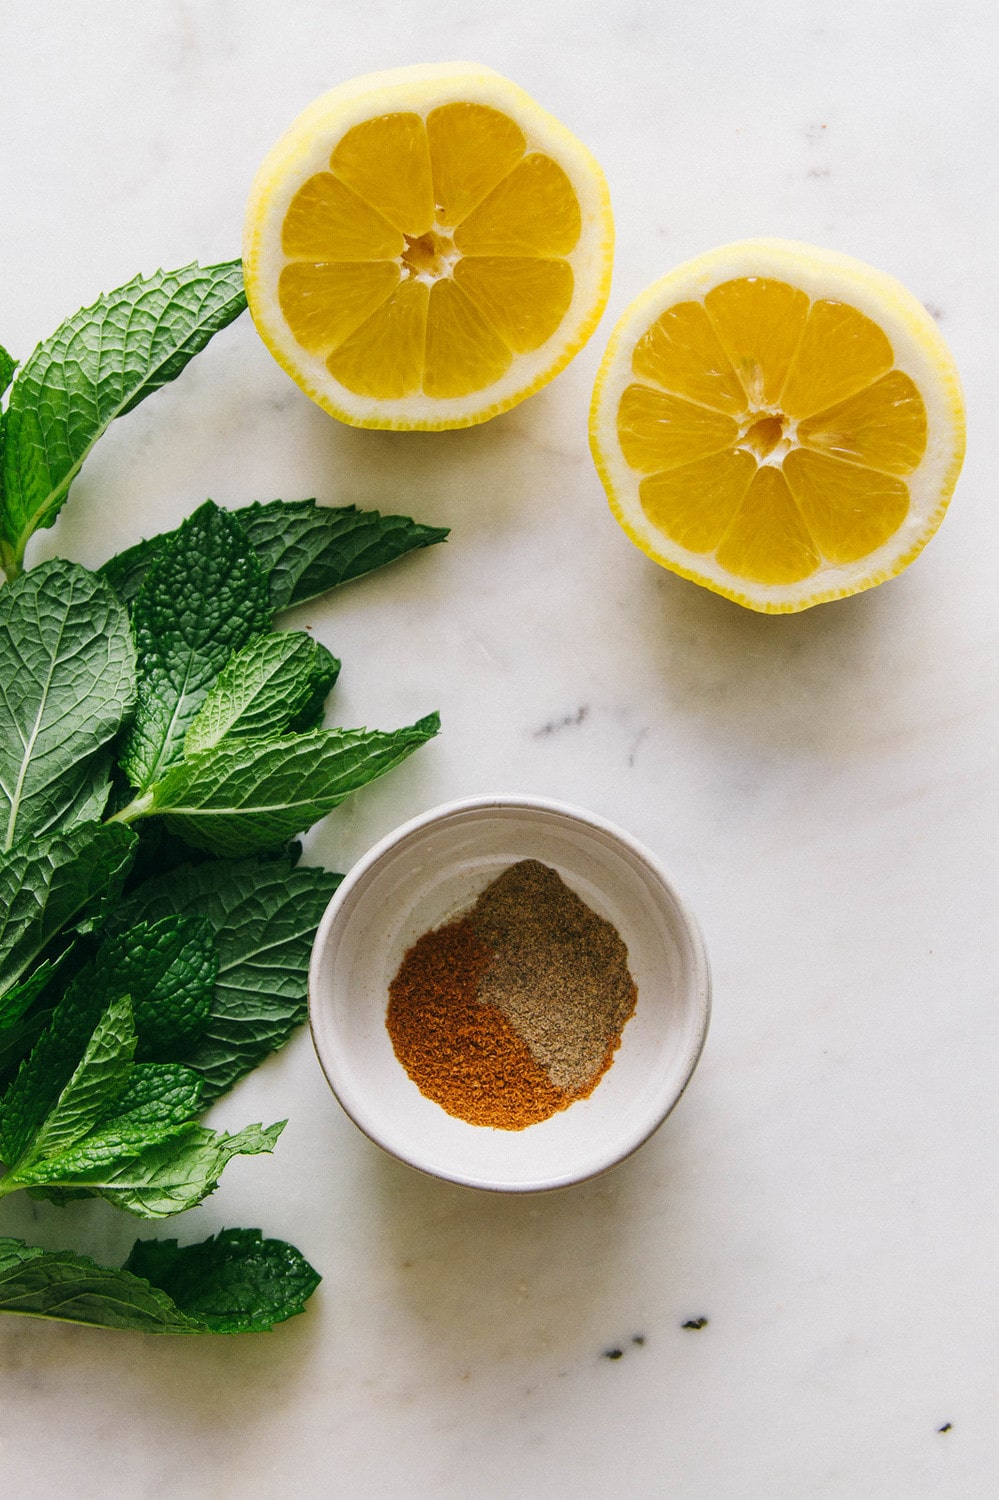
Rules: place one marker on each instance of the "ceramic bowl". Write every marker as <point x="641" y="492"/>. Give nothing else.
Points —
<point x="426" y="873"/>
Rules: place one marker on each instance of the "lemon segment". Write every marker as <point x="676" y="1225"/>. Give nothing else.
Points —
<point x="682" y="353"/>
<point x="524" y="299"/>
<point x="533" y="211"/>
<point x="779" y="423"/>
<point x="472" y="149"/>
<point x="383" y="358"/>
<point x="324" y="304"/>
<point x="386" y="161"/>
<point x="883" y="426"/>
<point x="759" y="322"/>
<point x="463" y="351"/>
<point x="426" y="247"/>
<point x="326" y="221"/>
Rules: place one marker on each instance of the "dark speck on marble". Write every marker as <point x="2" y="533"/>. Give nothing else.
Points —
<point x="616" y="1352"/>
<point x="695" y="1323"/>
<point x="946" y="1427"/>
<point x="639" y="737"/>
<point x="566" y="722"/>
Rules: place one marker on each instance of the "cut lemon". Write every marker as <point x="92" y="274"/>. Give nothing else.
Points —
<point x="779" y="423"/>
<point x="425" y="247"/>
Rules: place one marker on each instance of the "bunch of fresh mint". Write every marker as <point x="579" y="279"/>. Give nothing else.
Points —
<point x="161" y="745"/>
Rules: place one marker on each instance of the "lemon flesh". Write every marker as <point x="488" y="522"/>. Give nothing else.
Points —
<point x="780" y="423"/>
<point x="426" y="247"/>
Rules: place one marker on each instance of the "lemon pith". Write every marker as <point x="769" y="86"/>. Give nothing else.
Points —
<point x="779" y="423"/>
<point x="426" y="247"/>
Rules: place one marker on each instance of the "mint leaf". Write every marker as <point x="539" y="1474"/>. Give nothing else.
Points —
<point x="95" y="1083"/>
<point x="264" y="689"/>
<point x="99" y="364"/>
<point x="307" y="548"/>
<point x="204" y="598"/>
<point x="237" y="1281"/>
<point x="169" y="969"/>
<point x="120" y="1136"/>
<point x="264" y="915"/>
<point x="249" y="795"/>
<point x="67" y="679"/>
<point x="55" y="881"/>
<point x="234" y="1282"/>
<point x="167" y="1177"/>
<point x="48" y="1069"/>
<point x="72" y="1288"/>
<point x="126" y="571"/>
<point x="155" y="1095"/>
<point x="8" y="364"/>
<point x="22" y="996"/>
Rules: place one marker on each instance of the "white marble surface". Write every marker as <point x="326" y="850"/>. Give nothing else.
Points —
<point x="822" y="788"/>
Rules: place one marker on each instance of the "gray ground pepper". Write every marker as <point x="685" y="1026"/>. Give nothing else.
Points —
<point x="560" y="971"/>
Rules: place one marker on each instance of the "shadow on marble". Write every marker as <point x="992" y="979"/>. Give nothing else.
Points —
<point x="481" y="1279"/>
<point x="819" y="680"/>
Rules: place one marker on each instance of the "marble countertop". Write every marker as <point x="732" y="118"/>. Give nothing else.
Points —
<point x="822" y="788"/>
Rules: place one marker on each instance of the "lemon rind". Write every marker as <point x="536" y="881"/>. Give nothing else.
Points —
<point x="920" y="351"/>
<point x="305" y="148"/>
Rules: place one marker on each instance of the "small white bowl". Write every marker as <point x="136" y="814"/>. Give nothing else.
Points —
<point x="426" y="873"/>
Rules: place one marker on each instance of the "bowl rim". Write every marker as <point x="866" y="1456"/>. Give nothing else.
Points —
<point x="700" y="987"/>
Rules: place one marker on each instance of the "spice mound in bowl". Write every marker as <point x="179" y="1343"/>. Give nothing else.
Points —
<point x="514" y="1010"/>
<point x="508" y="993"/>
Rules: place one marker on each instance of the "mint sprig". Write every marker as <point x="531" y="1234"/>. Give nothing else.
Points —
<point x="157" y="695"/>
<point x="204" y="597"/>
<point x="98" y="365"/>
<point x="306" y="549"/>
<point x="263" y="915"/>
<point x="234" y="1282"/>
<point x="67" y="680"/>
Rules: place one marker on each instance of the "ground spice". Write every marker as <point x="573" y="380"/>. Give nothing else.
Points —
<point x="464" y="1055"/>
<point x="560" y="975"/>
<point x="513" y="1011"/>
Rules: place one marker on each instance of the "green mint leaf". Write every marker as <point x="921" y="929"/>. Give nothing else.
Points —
<point x="8" y="364"/>
<point x="121" y="1137"/>
<point x="98" y="365"/>
<point x="234" y="1282"/>
<point x="81" y="1101"/>
<point x="158" y="1101"/>
<point x="173" y="965"/>
<point x="169" y="968"/>
<point x="154" y="1095"/>
<point x="67" y="679"/>
<point x="249" y="795"/>
<point x="73" y="1289"/>
<point x="21" y="997"/>
<point x="170" y="1175"/>
<point x="237" y="1281"/>
<point x="264" y="916"/>
<point x="204" y="598"/>
<point x="263" y="690"/>
<point x="54" y="882"/>
<point x="46" y="1071"/>
<point x="126" y="571"/>
<point x="25" y="1011"/>
<point x="307" y="548"/>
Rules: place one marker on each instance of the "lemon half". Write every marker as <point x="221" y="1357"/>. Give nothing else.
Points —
<point x="425" y="247"/>
<point x="780" y="423"/>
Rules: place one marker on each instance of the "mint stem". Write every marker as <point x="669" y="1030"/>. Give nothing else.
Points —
<point x="139" y="807"/>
